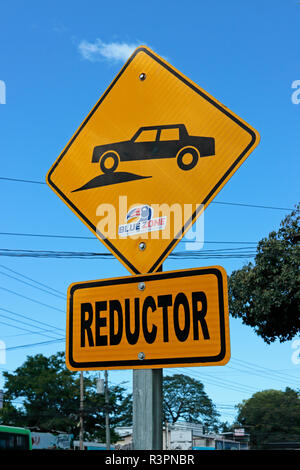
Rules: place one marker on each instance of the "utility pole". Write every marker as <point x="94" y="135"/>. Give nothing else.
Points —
<point x="147" y="408"/>
<point x="107" y="430"/>
<point x="81" y="446"/>
<point x="167" y="435"/>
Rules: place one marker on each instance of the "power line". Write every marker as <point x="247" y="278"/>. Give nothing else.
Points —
<point x="268" y="374"/>
<point x="94" y="238"/>
<point x="32" y="300"/>
<point x="190" y="254"/>
<point x="263" y="374"/>
<point x="204" y="254"/>
<point x="23" y="329"/>
<point x="42" y="343"/>
<point x="230" y="385"/>
<point x="52" y="254"/>
<point x="46" y="235"/>
<point x="28" y="324"/>
<point x="60" y="296"/>
<point x="30" y="279"/>
<point x="20" y="315"/>
<point x="13" y="336"/>
<point x="264" y="370"/>
<point x="19" y="180"/>
<point x="253" y="205"/>
<point x="221" y="253"/>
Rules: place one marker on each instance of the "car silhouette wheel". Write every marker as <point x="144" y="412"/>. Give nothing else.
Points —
<point x="187" y="158"/>
<point x="109" y="161"/>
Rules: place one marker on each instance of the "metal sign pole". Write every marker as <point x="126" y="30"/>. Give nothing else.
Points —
<point x="81" y="445"/>
<point x="147" y="408"/>
<point x="107" y="428"/>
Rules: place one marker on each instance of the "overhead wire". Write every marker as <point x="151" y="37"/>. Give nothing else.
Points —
<point x="268" y="374"/>
<point x="33" y="280"/>
<point x="38" y="322"/>
<point x="32" y="300"/>
<point x="223" y="383"/>
<point x="205" y="254"/>
<point x="263" y="374"/>
<point x="23" y="329"/>
<point x="256" y="206"/>
<point x="42" y="343"/>
<point x="38" y="325"/>
<point x="61" y="296"/>
<point x="230" y="253"/>
<point x="19" y="180"/>
<point x="81" y="237"/>
<point x="264" y="370"/>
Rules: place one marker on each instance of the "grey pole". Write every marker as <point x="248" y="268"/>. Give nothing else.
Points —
<point x="107" y="429"/>
<point x="81" y="446"/>
<point x="147" y="409"/>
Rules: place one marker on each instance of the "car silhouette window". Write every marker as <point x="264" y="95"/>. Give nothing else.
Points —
<point x="169" y="134"/>
<point x="146" y="135"/>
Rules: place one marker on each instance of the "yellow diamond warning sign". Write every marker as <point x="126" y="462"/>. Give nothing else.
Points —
<point x="148" y="159"/>
<point x="158" y="320"/>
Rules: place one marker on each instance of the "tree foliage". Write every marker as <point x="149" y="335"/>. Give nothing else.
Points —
<point x="266" y="294"/>
<point x="271" y="416"/>
<point x="184" y="398"/>
<point x="44" y="395"/>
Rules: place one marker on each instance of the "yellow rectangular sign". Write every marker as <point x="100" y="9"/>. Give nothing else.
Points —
<point x="158" y="320"/>
<point x="148" y="159"/>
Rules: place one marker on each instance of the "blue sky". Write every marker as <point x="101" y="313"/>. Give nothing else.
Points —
<point x="56" y="60"/>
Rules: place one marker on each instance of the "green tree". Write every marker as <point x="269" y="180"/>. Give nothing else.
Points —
<point x="266" y="294"/>
<point x="44" y="395"/>
<point x="271" y="416"/>
<point x="184" y="398"/>
<point x="225" y="427"/>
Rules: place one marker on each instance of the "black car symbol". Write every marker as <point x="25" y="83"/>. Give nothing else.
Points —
<point x="169" y="141"/>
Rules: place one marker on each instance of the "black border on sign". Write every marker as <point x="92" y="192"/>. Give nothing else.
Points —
<point x="151" y="362"/>
<point x="108" y="243"/>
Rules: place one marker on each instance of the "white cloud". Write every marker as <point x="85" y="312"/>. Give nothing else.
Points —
<point x="99" y="50"/>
